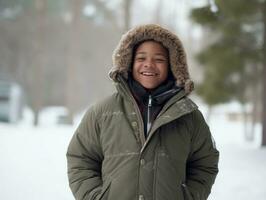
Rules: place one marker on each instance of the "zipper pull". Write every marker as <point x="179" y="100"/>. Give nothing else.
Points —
<point x="149" y="114"/>
<point x="150" y="100"/>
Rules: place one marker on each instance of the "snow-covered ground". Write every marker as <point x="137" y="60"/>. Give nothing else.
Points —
<point x="242" y="164"/>
<point x="33" y="162"/>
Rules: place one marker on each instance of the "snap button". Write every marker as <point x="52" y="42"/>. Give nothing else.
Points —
<point x="141" y="197"/>
<point x="142" y="162"/>
<point x="134" y="124"/>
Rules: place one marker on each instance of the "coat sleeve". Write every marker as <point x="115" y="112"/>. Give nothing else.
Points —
<point x="84" y="158"/>
<point x="202" y="165"/>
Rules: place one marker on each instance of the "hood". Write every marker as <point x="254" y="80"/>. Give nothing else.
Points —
<point x="123" y="54"/>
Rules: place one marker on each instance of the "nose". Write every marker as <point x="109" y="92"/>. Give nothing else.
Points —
<point x="148" y="63"/>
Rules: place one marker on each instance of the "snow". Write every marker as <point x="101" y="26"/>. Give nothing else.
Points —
<point x="33" y="162"/>
<point x="242" y="164"/>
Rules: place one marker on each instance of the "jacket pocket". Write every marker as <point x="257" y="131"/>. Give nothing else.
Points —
<point x="186" y="193"/>
<point x="165" y="180"/>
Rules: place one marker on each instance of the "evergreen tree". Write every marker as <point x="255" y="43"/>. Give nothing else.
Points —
<point x="235" y="59"/>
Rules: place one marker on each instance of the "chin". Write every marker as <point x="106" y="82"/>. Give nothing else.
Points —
<point x="150" y="87"/>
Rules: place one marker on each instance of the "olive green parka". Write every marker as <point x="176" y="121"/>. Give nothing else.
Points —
<point x="110" y="159"/>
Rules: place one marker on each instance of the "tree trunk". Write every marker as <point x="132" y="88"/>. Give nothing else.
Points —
<point x="264" y="79"/>
<point x="209" y="113"/>
<point x="127" y="9"/>
<point x="158" y="12"/>
<point x="73" y="61"/>
<point x="36" y="118"/>
<point x="38" y="60"/>
<point x="245" y="122"/>
<point x="253" y="114"/>
<point x="255" y="100"/>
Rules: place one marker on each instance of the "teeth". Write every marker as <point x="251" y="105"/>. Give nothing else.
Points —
<point x="148" y="73"/>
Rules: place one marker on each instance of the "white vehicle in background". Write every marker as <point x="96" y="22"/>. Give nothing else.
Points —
<point x="53" y="115"/>
<point x="11" y="102"/>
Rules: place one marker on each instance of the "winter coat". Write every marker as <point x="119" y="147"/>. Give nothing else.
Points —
<point x="109" y="157"/>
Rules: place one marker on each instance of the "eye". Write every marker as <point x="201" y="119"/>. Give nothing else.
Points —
<point x="160" y="60"/>
<point x="140" y="58"/>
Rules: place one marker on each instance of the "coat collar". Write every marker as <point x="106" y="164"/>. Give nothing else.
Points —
<point x="179" y="102"/>
<point x="178" y="106"/>
<point x="160" y="95"/>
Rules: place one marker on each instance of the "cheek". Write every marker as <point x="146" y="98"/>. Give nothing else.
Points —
<point x="134" y="70"/>
<point x="164" y="71"/>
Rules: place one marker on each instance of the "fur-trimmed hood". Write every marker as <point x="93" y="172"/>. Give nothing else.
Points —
<point x="123" y="54"/>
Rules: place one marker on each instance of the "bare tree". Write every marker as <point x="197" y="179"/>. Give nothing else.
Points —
<point x="264" y="79"/>
<point x="38" y="59"/>
<point x="158" y="12"/>
<point x="73" y="60"/>
<point x="127" y="14"/>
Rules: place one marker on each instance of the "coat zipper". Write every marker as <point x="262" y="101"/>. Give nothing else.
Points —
<point x="167" y="105"/>
<point x="149" y="114"/>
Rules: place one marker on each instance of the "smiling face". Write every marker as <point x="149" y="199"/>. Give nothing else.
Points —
<point x="150" y="66"/>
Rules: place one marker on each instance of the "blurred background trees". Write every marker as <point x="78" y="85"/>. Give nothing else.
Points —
<point x="234" y="56"/>
<point x="54" y="50"/>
